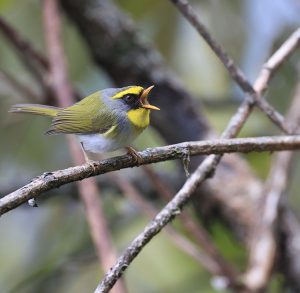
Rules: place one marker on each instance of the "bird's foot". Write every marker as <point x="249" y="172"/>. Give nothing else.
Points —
<point x="135" y="155"/>
<point x="92" y="163"/>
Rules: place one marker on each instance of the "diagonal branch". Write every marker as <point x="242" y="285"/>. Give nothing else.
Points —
<point x="274" y="62"/>
<point x="199" y="233"/>
<point x="264" y="237"/>
<point x="171" y="210"/>
<point x="236" y="74"/>
<point x="182" y="197"/>
<point x="210" y="260"/>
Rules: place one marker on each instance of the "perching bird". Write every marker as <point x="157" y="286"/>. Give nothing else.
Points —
<point x="104" y="121"/>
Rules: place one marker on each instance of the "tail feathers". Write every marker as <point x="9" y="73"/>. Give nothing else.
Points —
<point x="36" y="109"/>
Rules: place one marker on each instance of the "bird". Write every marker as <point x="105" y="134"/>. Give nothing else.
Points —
<point x="105" y="121"/>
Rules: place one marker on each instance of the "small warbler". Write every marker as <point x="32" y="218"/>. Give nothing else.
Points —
<point x="104" y="121"/>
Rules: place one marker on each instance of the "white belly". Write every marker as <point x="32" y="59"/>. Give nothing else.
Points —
<point x="97" y="143"/>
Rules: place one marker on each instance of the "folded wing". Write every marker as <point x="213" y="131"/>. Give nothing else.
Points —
<point x="88" y="116"/>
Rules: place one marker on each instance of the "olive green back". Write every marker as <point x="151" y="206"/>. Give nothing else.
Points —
<point x="90" y="115"/>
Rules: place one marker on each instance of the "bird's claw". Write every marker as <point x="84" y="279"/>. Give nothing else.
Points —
<point x="92" y="164"/>
<point x="135" y="155"/>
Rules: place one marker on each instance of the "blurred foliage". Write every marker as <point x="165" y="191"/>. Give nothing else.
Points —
<point x="48" y="249"/>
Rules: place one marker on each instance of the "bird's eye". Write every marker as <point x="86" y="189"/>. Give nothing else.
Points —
<point x="129" y="98"/>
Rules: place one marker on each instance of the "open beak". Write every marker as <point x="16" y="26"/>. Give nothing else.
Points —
<point x="144" y="99"/>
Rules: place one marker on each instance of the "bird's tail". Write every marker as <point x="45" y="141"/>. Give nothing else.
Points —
<point x="36" y="109"/>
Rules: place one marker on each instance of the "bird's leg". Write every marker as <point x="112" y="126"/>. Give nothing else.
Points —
<point x="86" y="158"/>
<point x="132" y="152"/>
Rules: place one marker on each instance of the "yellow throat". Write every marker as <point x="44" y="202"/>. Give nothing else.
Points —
<point x="140" y="117"/>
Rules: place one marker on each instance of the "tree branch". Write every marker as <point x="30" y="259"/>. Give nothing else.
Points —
<point x="276" y="60"/>
<point x="93" y="19"/>
<point x="224" y="269"/>
<point x="265" y="235"/>
<point x="134" y="74"/>
<point x="237" y="75"/>
<point x="212" y="261"/>
<point x="50" y="180"/>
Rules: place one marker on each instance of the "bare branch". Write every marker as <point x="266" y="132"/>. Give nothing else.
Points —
<point x="261" y="82"/>
<point x="263" y="247"/>
<point x="198" y="232"/>
<point x="235" y="124"/>
<point x="204" y="171"/>
<point x="237" y="75"/>
<point x="50" y="180"/>
<point x="281" y="54"/>
<point x="264" y="240"/>
<point x="171" y="210"/>
<point x="211" y="263"/>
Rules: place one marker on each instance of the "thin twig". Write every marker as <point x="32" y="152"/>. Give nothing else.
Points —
<point x="261" y="83"/>
<point x="182" y="197"/>
<point x="281" y="54"/>
<point x="198" y="232"/>
<point x="237" y="75"/>
<point x="171" y="210"/>
<point x="51" y="180"/>
<point x="88" y="190"/>
<point x="179" y="240"/>
<point x="264" y="240"/>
